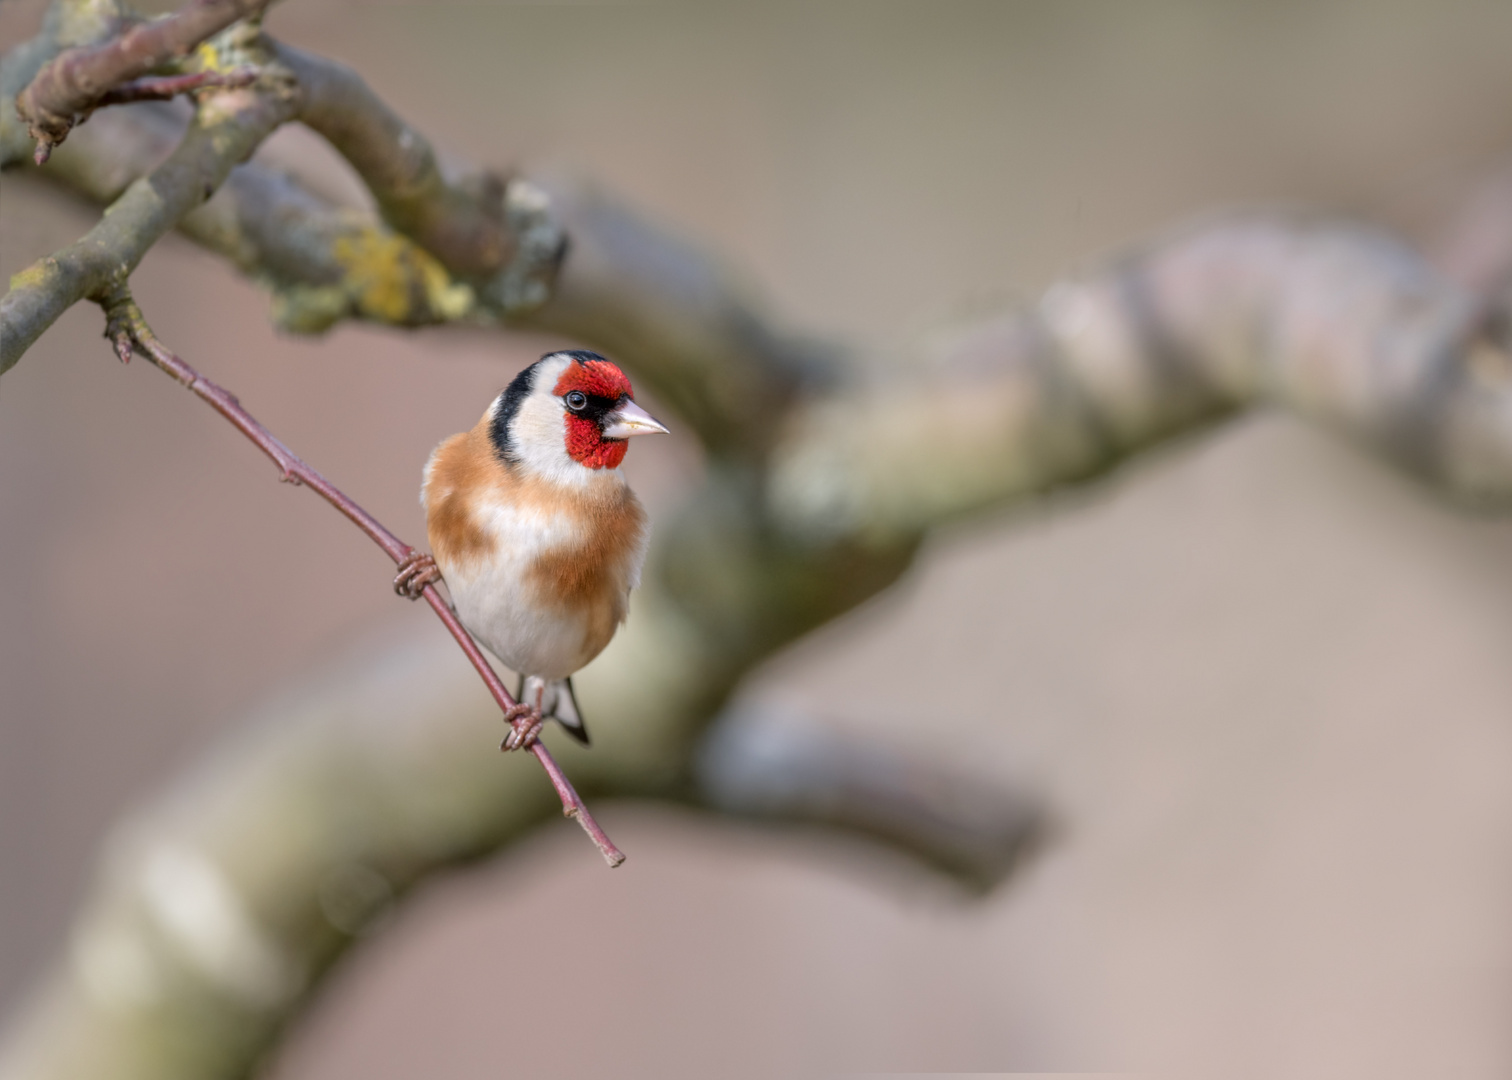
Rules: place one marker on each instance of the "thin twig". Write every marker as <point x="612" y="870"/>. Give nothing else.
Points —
<point x="127" y="330"/>
<point x="171" y="86"/>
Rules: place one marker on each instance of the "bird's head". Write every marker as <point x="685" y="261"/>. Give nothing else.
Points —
<point x="567" y="416"/>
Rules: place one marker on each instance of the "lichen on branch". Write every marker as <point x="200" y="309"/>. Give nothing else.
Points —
<point x="462" y="222"/>
<point x="449" y="248"/>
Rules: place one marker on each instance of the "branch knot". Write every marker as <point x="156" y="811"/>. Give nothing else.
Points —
<point x="525" y="282"/>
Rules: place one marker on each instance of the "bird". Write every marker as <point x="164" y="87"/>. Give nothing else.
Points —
<point x="534" y="529"/>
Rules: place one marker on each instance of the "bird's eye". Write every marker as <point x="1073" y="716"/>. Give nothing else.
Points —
<point x="577" y="401"/>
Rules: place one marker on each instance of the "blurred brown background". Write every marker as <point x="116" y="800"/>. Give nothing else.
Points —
<point x="1264" y="685"/>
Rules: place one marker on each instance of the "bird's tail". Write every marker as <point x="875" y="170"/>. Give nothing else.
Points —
<point x="557" y="702"/>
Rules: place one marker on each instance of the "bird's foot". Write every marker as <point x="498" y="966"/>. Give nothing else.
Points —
<point x="415" y="573"/>
<point x="525" y="725"/>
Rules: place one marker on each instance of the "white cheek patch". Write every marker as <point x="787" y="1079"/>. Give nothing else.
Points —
<point x="538" y="435"/>
<point x="538" y="439"/>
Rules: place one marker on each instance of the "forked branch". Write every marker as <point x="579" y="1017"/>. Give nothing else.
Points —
<point x="128" y="331"/>
<point x="78" y="80"/>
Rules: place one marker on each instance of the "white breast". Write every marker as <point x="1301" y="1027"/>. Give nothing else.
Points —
<point x="497" y="603"/>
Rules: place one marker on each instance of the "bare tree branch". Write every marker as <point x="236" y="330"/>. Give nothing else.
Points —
<point x="465" y="248"/>
<point x="674" y="315"/>
<point x="776" y="767"/>
<point x="375" y="780"/>
<point x="62" y="26"/>
<point x="77" y="81"/>
<point x="464" y="225"/>
<point x="684" y="322"/>
<point x="1340" y="323"/>
<point x="628" y="286"/>
<point x="461" y="223"/>
<point x="228" y="126"/>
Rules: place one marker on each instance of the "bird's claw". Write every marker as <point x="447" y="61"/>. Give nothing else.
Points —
<point x="525" y="726"/>
<point x="416" y="572"/>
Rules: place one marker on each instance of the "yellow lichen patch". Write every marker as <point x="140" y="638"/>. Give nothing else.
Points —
<point x="209" y="58"/>
<point x="392" y="280"/>
<point x="34" y="276"/>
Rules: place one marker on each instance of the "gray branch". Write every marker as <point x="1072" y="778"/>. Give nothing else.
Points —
<point x="218" y="907"/>
<point x="461" y="223"/>
<point x="773" y="767"/>
<point x="1340" y="323"/>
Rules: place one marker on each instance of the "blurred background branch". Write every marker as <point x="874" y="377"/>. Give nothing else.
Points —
<point x="220" y="906"/>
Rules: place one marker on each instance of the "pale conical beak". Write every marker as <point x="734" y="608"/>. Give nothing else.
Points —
<point x="630" y="419"/>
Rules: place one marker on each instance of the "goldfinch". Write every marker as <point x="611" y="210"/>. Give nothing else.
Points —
<point x="536" y="531"/>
